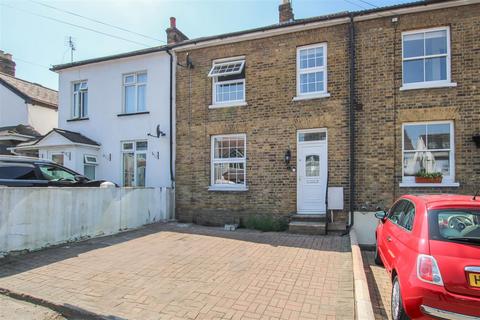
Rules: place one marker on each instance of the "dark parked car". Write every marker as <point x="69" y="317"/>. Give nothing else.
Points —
<point x="17" y="171"/>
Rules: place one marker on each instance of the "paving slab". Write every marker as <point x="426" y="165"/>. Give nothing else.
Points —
<point x="379" y="286"/>
<point x="16" y="309"/>
<point x="168" y="271"/>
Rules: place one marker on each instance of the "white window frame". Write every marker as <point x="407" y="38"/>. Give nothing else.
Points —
<point x="135" y="152"/>
<point x="90" y="163"/>
<point x="213" y="161"/>
<point x="215" y="82"/>
<point x="429" y="84"/>
<point x="135" y="84"/>
<point x="447" y="181"/>
<point x="79" y="95"/>
<point x="324" y="68"/>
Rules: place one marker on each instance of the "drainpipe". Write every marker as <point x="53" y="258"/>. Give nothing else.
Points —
<point x="352" y="118"/>
<point x="172" y="178"/>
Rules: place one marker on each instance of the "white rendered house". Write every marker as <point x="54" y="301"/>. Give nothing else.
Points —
<point x="115" y="119"/>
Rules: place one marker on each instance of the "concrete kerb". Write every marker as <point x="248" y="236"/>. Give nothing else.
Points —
<point x="363" y="304"/>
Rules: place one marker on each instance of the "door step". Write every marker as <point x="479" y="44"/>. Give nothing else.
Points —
<point x="308" y="227"/>
<point x="308" y="217"/>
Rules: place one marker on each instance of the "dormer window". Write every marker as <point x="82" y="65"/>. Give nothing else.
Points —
<point x="228" y="82"/>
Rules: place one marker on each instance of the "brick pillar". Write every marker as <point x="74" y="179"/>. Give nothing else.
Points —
<point x="173" y="34"/>
<point x="7" y="65"/>
<point x="285" y="12"/>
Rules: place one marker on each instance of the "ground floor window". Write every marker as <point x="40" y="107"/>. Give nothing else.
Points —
<point x="89" y="166"/>
<point x="134" y="158"/>
<point x="229" y="161"/>
<point x="58" y="158"/>
<point x="428" y="147"/>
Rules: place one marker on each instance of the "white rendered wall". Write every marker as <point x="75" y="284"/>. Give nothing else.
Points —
<point x="105" y="91"/>
<point x="33" y="218"/>
<point x="365" y="226"/>
<point x="42" y="119"/>
<point x="13" y="110"/>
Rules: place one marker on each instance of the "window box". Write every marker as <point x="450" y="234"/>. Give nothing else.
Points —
<point x="428" y="180"/>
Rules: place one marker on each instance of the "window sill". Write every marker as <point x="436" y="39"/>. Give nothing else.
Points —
<point x="311" y="96"/>
<point x="228" y="105"/>
<point x="428" y="86"/>
<point x="77" y="119"/>
<point x="228" y="189"/>
<point x="429" y="185"/>
<point x="132" y="114"/>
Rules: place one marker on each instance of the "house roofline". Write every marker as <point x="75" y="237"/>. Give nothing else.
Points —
<point x="320" y="21"/>
<point x="26" y="97"/>
<point x="59" y="67"/>
<point x="283" y="28"/>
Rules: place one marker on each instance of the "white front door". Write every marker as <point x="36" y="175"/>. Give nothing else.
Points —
<point x="312" y="170"/>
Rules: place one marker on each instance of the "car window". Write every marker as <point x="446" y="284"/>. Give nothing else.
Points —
<point x="54" y="173"/>
<point x="397" y="211"/>
<point x="409" y="216"/>
<point x="17" y="171"/>
<point x="455" y="224"/>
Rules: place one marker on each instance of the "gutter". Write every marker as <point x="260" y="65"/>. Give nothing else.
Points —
<point x="352" y="118"/>
<point x="172" y="178"/>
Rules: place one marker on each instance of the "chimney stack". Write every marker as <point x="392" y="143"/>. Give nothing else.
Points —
<point x="285" y="12"/>
<point x="173" y="34"/>
<point x="7" y="65"/>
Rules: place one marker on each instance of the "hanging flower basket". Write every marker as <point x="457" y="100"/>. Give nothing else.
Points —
<point x="428" y="177"/>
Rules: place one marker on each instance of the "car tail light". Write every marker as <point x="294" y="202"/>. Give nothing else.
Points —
<point x="428" y="271"/>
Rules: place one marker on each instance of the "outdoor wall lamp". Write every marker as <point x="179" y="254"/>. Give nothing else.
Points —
<point x="287" y="158"/>
<point x="476" y="139"/>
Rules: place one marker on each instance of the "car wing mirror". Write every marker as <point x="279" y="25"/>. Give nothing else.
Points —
<point x="381" y="215"/>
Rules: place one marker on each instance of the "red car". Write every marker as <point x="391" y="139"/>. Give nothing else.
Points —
<point x="430" y="246"/>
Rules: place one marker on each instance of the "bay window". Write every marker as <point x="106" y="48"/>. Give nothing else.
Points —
<point x="134" y="158"/>
<point x="228" y="162"/>
<point x="135" y="92"/>
<point x="228" y="82"/>
<point x="428" y="147"/>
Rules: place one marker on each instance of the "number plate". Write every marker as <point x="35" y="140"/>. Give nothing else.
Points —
<point x="474" y="279"/>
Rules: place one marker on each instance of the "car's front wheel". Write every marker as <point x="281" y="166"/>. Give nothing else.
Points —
<point x="377" y="259"/>
<point x="398" y="312"/>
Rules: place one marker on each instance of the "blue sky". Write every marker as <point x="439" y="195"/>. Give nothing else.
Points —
<point x="38" y="42"/>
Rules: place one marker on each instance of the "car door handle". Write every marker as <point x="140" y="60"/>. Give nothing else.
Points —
<point x="389" y="239"/>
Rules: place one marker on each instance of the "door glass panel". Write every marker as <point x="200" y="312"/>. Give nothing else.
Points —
<point x="312" y="136"/>
<point x="312" y="165"/>
<point x="141" y="169"/>
<point x="128" y="169"/>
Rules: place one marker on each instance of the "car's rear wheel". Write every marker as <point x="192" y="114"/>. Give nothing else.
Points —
<point x="377" y="259"/>
<point x="398" y="312"/>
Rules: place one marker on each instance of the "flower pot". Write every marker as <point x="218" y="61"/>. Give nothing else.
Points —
<point x="428" y="180"/>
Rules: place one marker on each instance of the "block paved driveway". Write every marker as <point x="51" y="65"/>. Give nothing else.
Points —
<point x="168" y="271"/>
<point x="379" y="286"/>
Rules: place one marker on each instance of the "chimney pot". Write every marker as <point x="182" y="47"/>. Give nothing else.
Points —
<point x="173" y="22"/>
<point x="173" y="34"/>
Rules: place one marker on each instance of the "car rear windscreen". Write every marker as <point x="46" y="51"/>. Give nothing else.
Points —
<point x="455" y="225"/>
<point x="17" y="171"/>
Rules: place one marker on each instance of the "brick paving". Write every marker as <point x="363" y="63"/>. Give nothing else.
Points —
<point x="15" y="309"/>
<point x="167" y="271"/>
<point x="379" y="286"/>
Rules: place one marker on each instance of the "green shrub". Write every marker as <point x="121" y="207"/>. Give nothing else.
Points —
<point x="265" y="223"/>
<point x="430" y="175"/>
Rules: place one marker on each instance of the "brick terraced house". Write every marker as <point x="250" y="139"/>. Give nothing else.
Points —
<point x="333" y="113"/>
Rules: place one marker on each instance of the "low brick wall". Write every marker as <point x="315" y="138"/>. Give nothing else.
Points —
<point x="33" y="218"/>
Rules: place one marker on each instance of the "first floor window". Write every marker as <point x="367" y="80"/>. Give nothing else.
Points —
<point x="229" y="161"/>
<point x="426" y="56"/>
<point x="89" y="166"/>
<point x="80" y="100"/>
<point x="312" y="69"/>
<point x="228" y="81"/>
<point x="428" y="147"/>
<point x="135" y="91"/>
<point x="134" y="157"/>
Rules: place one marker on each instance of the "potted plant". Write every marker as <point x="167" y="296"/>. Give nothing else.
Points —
<point x="423" y="176"/>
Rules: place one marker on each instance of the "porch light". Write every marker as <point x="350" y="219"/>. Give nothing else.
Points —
<point x="476" y="139"/>
<point x="287" y="158"/>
